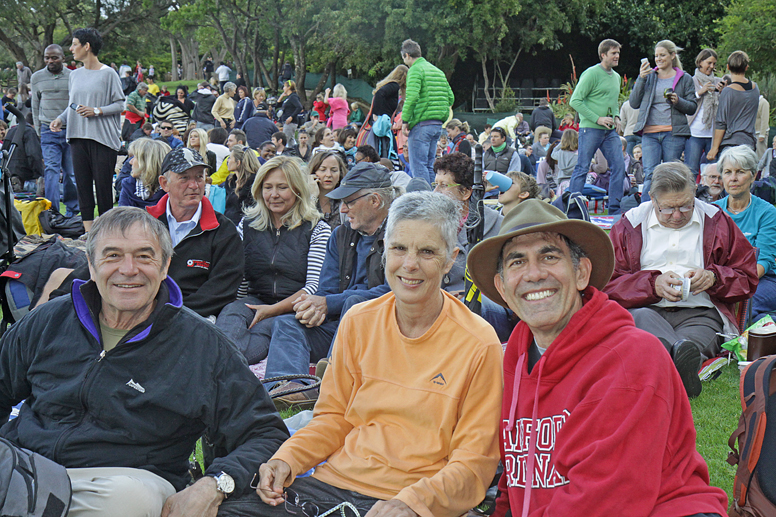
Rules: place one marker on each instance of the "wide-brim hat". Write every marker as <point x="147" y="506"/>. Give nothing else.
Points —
<point x="533" y="216"/>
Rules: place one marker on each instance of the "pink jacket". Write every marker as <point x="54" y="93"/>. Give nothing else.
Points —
<point x="726" y="252"/>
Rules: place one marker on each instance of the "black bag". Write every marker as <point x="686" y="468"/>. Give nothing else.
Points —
<point x="765" y="189"/>
<point x="54" y="222"/>
<point x="573" y="205"/>
<point x="32" y="485"/>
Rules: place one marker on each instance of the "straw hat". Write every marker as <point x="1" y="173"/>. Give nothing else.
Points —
<point x="533" y="216"/>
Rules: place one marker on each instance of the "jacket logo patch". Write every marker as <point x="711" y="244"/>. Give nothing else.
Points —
<point x="134" y="385"/>
<point x="516" y="451"/>
<point x="203" y="264"/>
<point x="439" y="380"/>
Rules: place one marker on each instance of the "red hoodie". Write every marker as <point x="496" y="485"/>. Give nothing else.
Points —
<point x="616" y="435"/>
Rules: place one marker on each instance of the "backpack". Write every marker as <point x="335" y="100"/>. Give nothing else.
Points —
<point x="53" y="222"/>
<point x="754" y="487"/>
<point x="573" y="205"/>
<point x="765" y="189"/>
<point x="31" y="485"/>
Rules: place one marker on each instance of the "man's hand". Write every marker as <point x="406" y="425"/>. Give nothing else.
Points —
<point x="85" y="111"/>
<point x="618" y="125"/>
<point x="56" y="125"/>
<point x="199" y="500"/>
<point x="391" y="508"/>
<point x="273" y="477"/>
<point x="289" y="120"/>
<point x="700" y="280"/>
<point x="666" y="286"/>
<point x="607" y="122"/>
<point x="712" y="154"/>
<point x="311" y="310"/>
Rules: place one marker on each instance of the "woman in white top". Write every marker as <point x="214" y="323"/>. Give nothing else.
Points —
<point x="707" y="88"/>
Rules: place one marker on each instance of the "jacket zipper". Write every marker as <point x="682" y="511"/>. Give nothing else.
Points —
<point x="84" y="409"/>
<point x="272" y="264"/>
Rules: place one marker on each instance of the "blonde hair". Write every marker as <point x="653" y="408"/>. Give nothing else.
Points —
<point x="259" y="92"/>
<point x="570" y="140"/>
<point x="455" y="123"/>
<point x="397" y="75"/>
<point x="671" y="48"/>
<point x="304" y="207"/>
<point x="248" y="164"/>
<point x="149" y="155"/>
<point x="203" y="140"/>
<point x="527" y="183"/>
<point x="340" y="91"/>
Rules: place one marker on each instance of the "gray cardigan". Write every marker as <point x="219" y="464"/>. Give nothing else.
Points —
<point x="643" y="95"/>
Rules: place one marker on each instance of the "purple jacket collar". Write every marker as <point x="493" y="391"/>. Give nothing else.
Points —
<point x="87" y="310"/>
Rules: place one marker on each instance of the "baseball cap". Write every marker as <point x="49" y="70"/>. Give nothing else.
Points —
<point x="182" y="159"/>
<point x="363" y="175"/>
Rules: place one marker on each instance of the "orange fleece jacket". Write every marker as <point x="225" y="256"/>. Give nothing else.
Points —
<point x="411" y="419"/>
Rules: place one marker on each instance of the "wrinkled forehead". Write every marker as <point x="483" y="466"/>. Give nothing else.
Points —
<point x="536" y="241"/>
<point x="135" y="237"/>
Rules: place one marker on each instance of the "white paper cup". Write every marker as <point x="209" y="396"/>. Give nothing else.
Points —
<point x="685" y="289"/>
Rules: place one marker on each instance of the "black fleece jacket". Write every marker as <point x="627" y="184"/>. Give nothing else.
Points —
<point x="144" y="403"/>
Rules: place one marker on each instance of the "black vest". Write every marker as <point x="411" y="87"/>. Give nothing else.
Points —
<point x="500" y="163"/>
<point x="276" y="260"/>
<point x="346" y="245"/>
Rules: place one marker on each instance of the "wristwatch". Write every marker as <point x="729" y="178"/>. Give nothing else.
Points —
<point x="224" y="483"/>
<point x="97" y="111"/>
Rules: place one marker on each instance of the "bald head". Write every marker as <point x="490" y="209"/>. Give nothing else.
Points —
<point x="54" y="58"/>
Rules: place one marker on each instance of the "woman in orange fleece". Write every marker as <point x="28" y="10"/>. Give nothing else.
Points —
<point x="408" y="414"/>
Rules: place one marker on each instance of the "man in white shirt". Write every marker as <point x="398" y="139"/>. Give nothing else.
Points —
<point x="223" y="72"/>
<point x="672" y="240"/>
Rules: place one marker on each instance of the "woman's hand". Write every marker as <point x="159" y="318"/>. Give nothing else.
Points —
<point x="56" y="125"/>
<point x="289" y="120"/>
<point x="645" y="70"/>
<point x="85" y="111"/>
<point x="673" y="98"/>
<point x="262" y="312"/>
<point x="223" y="124"/>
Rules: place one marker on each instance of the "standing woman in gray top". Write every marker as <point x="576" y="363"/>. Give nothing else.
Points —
<point x="93" y="126"/>
<point x="737" y="112"/>
<point x="664" y="96"/>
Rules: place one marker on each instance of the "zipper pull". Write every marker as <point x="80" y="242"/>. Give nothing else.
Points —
<point x="102" y="354"/>
<point x="277" y="232"/>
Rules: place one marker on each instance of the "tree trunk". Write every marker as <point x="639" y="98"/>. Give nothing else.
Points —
<point x="174" y="59"/>
<point x="274" y="72"/>
<point x="298" y="47"/>
<point x="484" y="62"/>
<point x="190" y="57"/>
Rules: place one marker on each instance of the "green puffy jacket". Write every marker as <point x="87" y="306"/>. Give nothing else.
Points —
<point x="429" y="96"/>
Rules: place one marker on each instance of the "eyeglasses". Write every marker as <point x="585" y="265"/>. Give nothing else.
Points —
<point x="443" y="186"/>
<point x="672" y="209"/>
<point x="295" y="506"/>
<point x="352" y="202"/>
<point x="166" y="128"/>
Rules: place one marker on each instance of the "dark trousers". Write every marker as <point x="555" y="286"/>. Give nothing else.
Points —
<point x="310" y="490"/>
<point x="94" y="165"/>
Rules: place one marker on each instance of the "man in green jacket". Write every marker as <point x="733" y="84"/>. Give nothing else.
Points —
<point x="427" y="105"/>
<point x="596" y="99"/>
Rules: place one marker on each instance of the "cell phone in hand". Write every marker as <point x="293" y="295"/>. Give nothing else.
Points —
<point x="75" y="106"/>
<point x="644" y="61"/>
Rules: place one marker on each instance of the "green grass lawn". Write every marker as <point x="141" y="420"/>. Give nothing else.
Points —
<point x="716" y="413"/>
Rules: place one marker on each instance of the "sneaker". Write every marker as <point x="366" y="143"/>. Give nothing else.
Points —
<point x="688" y="360"/>
<point x="303" y="399"/>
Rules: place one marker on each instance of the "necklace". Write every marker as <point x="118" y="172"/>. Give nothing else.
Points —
<point x="736" y="212"/>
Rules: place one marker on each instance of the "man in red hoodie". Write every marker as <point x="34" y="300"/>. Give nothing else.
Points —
<point x="593" y="408"/>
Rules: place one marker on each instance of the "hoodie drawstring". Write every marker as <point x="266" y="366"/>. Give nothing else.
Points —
<point x="515" y="393"/>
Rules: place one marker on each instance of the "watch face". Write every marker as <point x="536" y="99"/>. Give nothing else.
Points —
<point x="225" y="483"/>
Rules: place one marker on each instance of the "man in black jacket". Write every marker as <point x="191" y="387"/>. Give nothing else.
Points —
<point x="259" y="128"/>
<point x="543" y="116"/>
<point x="208" y="260"/>
<point x="120" y="380"/>
<point x="204" y="99"/>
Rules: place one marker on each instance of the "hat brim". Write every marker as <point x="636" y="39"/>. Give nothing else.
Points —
<point x="342" y="192"/>
<point x="482" y="261"/>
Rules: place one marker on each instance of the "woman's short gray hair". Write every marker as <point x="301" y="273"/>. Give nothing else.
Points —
<point x="740" y="155"/>
<point x="120" y="220"/>
<point x="671" y="177"/>
<point x="431" y="207"/>
<point x="229" y="87"/>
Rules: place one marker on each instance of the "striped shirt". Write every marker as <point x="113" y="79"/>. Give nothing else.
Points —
<point x="50" y="95"/>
